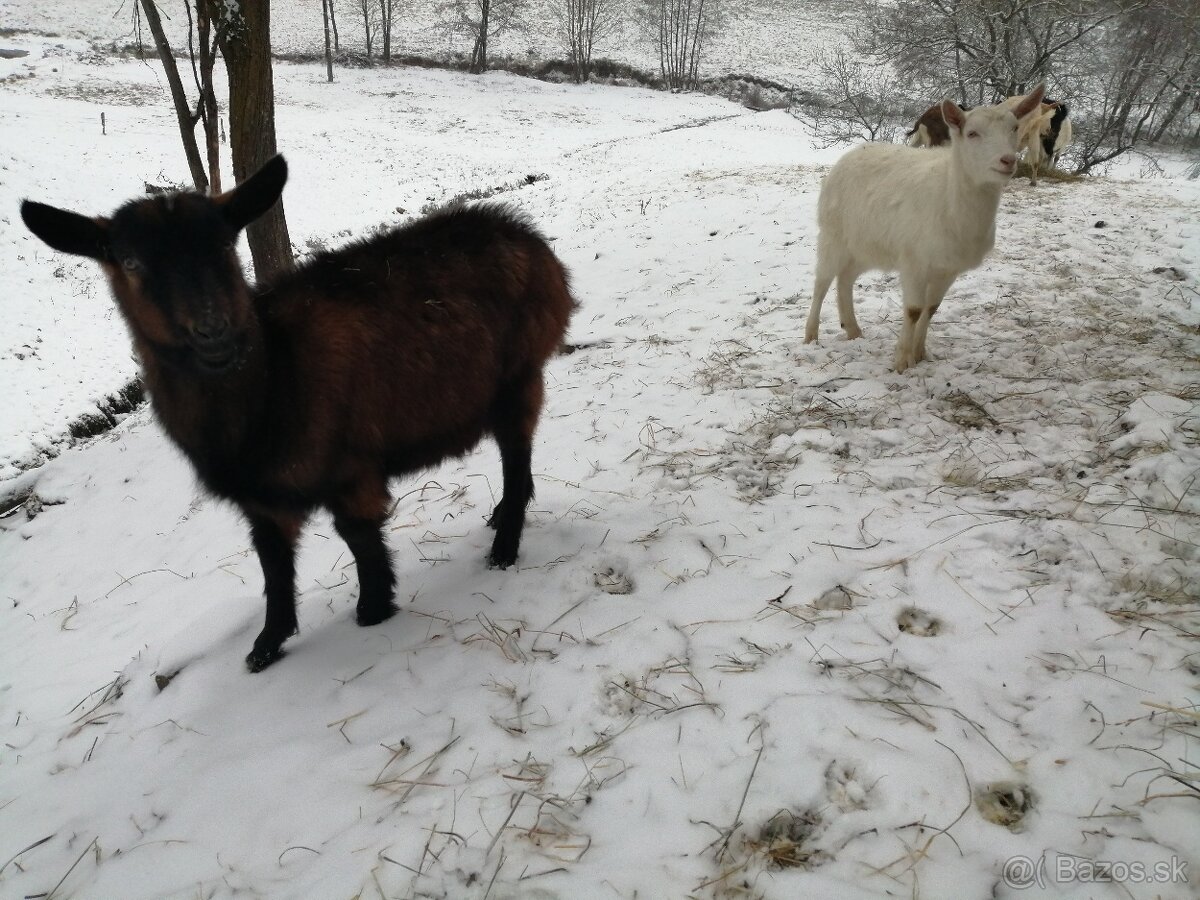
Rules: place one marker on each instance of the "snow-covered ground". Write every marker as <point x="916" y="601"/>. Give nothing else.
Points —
<point x="786" y="624"/>
<point x="770" y="38"/>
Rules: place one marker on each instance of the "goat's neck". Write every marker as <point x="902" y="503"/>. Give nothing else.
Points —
<point x="210" y="417"/>
<point x="970" y="210"/>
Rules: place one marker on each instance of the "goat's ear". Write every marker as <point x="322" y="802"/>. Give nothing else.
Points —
<point x="954" y="116"/>
<point x="1031" y="102"/>
<point x="67" y="231"/>
<point x="255" y="195"/>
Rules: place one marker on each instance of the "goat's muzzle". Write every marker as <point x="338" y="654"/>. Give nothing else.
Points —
<point x="214" y="343"/>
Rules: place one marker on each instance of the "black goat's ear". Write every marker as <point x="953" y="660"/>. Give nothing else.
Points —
<point x="67" y="231"/>
<point x="254" y="196"/>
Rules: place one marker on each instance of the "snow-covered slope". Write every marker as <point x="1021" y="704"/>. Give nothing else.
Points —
<point x="786" y="624"/>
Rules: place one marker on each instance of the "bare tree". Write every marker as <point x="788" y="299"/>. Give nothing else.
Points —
<point x="1128" y="69"/>
<point x="202" y="28"/>
<point x="860" y="100"/>
<point x="581" y="24"/>
<point x="679" y="30"/>
<point x="994" y="48"/>
<point x="482" y="20"/>
<point x="325" y="4"/>
<point x="387" y="13"/>
<point x="183" y="110"/>
<point x="370" y="18"/>
<point x="245" y="32"/>
<point x="1144" y="90"/>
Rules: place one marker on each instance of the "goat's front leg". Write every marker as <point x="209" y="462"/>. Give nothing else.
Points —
<point x="275" y="540"/>
<point x="913" y="293"/>
<point x="359" y="519"/>
<point x="935" y="292"/>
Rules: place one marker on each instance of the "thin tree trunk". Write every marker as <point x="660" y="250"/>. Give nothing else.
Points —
<point x="333" y="25"/>
<point x="367" y="26"/>
<point x="208" y="97"/>
<point x="385" y="14"/>
<point x="328" y="53"/>
<point x="246" y="46"/>
<point x="479" y="52"/>
<point x="183" y="112"/>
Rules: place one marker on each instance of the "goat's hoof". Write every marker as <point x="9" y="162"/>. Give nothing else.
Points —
<point x="496" y="516"/>
<point x="260" y="658"/>
<point x="810" y="338"/>
<point x="853" y="334"/>
<point x="375" y="613"/>
<point x="501" y="559"/>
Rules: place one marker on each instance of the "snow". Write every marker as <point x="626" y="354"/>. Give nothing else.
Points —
<point x="786" y="623"/>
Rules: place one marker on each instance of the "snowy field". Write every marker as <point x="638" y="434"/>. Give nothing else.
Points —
<point x="769" y="38"/>
<point x="786" y="624"/>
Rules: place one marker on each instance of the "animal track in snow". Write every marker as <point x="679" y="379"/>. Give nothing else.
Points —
<point x="916" y="621"/>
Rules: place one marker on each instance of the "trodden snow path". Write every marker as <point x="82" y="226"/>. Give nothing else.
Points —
<point x="786" y="624"/>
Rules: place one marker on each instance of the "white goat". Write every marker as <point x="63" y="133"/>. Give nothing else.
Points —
<point x="931" y="215"/>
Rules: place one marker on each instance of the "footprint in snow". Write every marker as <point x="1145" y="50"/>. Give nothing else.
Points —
<point x="916" y="621"/>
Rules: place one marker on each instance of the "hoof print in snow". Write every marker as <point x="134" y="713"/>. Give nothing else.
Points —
<point x="1004" y="803"/>
<point x="845" y="788"/>
<point x="836" y="597"/>
<point x="613" y="582"/>
<point x="916" y="621"/>
<point x="786" y="840"/>
<point x="1172" y="273"/>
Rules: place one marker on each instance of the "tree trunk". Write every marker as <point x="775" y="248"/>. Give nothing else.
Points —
<point x="183" y="112"/>
<point x="479" y="53"/>
<point x="333" y="25"/>
<point x="208" y="97"/>
<point x="328" y="52"/>
<point x="366" y="11"/>
<point x="385" y="13"/>
<point x="246" y="46"/>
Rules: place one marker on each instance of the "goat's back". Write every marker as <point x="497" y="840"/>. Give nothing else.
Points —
<point x="405" y="339"/>
<point x="879" y="203"/>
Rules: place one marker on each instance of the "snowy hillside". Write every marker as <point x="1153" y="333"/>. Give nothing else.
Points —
<point x="786" y="624"/>
<point x="769" y="38"/>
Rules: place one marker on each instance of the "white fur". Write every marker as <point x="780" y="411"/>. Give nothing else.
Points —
<point x="929" y="214"/>
<point x="1063" y="141"/>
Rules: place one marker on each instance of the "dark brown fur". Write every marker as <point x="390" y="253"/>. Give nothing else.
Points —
<point x="378" y="359"/>
<point x="936" y="128"/>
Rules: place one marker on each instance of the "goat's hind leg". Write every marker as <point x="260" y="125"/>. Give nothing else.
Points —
<point x="820" y="289"/>
<point x="359" y="520"/>
<point x="516" y="417"/>
<point x="274" y="539"/>
<point x="845" y="301"/>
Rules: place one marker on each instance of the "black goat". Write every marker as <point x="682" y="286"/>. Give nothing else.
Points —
<point x="381" y="358"/>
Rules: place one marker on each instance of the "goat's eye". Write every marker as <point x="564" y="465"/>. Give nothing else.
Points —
<point x="130" y="264"/>
<point x="972" y="134"/>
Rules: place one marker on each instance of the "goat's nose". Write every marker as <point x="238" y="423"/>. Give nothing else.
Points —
<point x="211" y="330"/>
<point x="1008" y="160"/>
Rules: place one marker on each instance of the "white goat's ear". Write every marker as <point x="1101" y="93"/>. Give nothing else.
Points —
<point x="1032" y="100"/>
<point x="955" y="117"/>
